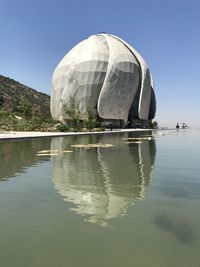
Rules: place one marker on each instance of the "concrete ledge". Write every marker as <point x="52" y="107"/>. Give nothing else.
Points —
<point x="18" y="135"/>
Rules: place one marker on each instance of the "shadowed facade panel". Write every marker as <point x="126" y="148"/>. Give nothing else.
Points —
<point x="152" y="109"/>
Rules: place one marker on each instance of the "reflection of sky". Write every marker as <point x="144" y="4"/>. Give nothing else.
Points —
<point x="102" y="182"/>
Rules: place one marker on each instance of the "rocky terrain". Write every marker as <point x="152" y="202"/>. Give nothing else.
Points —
<point x="23" y="108"/>
<point x="14" y="95"/>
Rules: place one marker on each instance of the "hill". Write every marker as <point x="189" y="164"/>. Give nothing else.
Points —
<point x="13" y="95"/>
<point x="23" y="108"/>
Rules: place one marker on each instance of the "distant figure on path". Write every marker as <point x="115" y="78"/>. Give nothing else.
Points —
<point x="184" y="125"/>
<point x="177" y="126"/>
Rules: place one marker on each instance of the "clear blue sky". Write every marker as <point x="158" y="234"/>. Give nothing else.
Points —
<point x="36" y="34"/>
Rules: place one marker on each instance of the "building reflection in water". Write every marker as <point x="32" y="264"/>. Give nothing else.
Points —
<point x="102" y="182"/>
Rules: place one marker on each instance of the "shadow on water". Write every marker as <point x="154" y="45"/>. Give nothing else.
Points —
<point x="164" y="223"/>
<point x="102" y="182"/>
<point x="17" y="155"/>
<point x="183" y="231"/>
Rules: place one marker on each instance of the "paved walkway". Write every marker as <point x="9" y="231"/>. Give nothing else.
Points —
<point x="16" y="135"/>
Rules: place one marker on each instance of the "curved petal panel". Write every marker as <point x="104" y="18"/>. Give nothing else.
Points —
<point x="120" y="84"/>
<point x="80" y="75"/>
<point x="145" y="93"/>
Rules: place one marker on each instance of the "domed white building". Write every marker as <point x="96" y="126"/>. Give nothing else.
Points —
<point x="107" y="75"/>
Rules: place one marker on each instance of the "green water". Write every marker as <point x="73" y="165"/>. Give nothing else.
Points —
<point x="132" y="204"/>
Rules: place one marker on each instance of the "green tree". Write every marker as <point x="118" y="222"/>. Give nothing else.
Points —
<point x="90" y="121"/>
<point x="73" y="112"/>
<point x="155" y="124"/>
<point x="151" y="125"/>
<point x="62" y="127"/>
<point x="35" y="123"/>
<point x="26" y="109"/>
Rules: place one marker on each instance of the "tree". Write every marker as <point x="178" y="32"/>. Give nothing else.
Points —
<point x="26" y="109"/>
<point x="151" y="125"/>
<point x="90" y="121"/>
<point x="155" y="124"/>
<point x="73" y="113"/>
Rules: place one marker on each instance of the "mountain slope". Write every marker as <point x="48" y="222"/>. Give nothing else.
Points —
<point x="13" y="94"/>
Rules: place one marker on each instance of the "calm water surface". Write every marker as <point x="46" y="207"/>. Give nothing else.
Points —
<point x="136" y="203"/>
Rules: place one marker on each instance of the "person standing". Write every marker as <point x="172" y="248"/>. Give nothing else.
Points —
<point x="183" y="125"/>
<point x="177" y="126"/>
